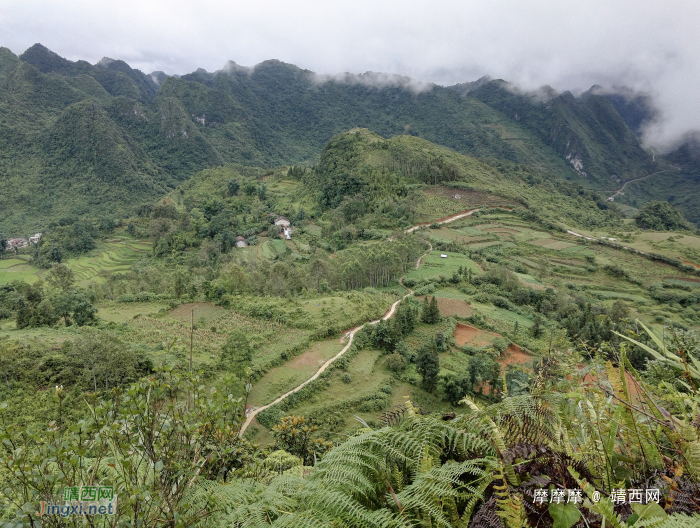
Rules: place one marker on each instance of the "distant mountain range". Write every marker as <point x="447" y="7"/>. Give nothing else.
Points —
<point x="101" y="139"/>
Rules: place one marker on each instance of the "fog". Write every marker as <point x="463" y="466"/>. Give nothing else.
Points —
<point x="647" y="46"/>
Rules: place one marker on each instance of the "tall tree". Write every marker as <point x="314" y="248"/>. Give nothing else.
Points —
<point x="428" y="366"/>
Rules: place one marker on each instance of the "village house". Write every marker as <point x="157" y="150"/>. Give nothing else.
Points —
<point x="286" y="226"/>
<point x="35" y="239"/>
<point x="281" y="221"/>
<point x="17" y="242"/>
<point x="241" y="242"/>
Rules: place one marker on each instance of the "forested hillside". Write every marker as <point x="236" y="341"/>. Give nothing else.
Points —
<point x="79" y="137"/>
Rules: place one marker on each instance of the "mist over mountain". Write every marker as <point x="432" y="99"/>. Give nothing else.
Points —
<point x="107" y="134"/>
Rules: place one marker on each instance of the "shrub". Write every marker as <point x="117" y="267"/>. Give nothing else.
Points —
<point x="395" y="362"/>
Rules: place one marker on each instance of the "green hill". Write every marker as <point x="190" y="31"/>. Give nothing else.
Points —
<point x="78" y="137"/>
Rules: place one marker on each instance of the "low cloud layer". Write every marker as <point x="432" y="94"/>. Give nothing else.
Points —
<point x="648" y="46"/>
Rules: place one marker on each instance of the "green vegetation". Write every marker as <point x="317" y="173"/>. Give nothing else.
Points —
<point x="160" y="308"/>
<point x="661" y="216"/>
<point x="108" y="137"/>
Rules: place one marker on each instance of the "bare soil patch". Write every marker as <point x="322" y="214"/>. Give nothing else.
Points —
<point x="207" y="311"/>
<point x="315" y="356"/>
<point x="688" y="263"/>
<point x="515" y="355"/>
<point x="449" y="307"/>
<point x="470" y="335"/>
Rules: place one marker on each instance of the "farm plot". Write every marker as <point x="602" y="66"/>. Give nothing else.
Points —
<point x="689" y="283"/>
<point x="552" y="243"/>
<point x="267" y="338"/>
<point x="16" y="269"/>
<point x="449" y="306"/>
<point x="465" y="334"/>
<point x="433" y="266"/>
<point x="279" y="380"/>
<point x="115" y="255"/>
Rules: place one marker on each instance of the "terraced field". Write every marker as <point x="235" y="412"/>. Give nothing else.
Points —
<point x="113" y="255"/>
<point x="117" y="255"/>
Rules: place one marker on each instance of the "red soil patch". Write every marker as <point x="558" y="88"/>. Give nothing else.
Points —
<point x="514" y="355"/>
<point x="470" y="335"/>
<point x="449" y="307"/>
<point x="688" y="263"/>
<point x="591" y="380"/>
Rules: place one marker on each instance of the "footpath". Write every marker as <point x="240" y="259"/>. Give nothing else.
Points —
<point x="350" y="334"/>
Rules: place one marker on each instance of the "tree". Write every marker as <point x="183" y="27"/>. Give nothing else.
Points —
<point x="60" y="277"/>
<point x="383" y="336"/>
<point x="106" y="360"/>
<point x="294" y="435"/>
<point x="537" y="327"/>
<point x="232" y="187"/>
<point x="483" y="369"/>
<point x="319" y="269"/>
<point x="456" y="387"/>
<point x="428" y="366"/>
<point x="431" y="312"/>
<point x="4" y="244"/>
<point x="236" y="354"/>
<point x="406" y="317"/>
<point x="313" y="243"/>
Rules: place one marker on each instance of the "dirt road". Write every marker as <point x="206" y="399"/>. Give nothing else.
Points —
<point x="350" y="335"/>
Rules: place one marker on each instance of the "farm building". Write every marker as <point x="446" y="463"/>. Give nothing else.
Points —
<point x="17" y="242"/>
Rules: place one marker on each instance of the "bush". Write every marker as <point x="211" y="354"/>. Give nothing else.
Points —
<point x="482" y="298"/>
<point x="395" y="362"/>
<point x="501" y="302"/>
<point x="425" y="290"/>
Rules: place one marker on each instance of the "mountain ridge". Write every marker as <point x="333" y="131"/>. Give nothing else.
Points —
<point x="279" y="114"/>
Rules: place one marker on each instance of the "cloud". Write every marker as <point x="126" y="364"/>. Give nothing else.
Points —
<point x="377" y="80"/>
<point x="647" y="45"/>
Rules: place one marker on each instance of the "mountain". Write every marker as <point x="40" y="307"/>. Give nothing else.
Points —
<point x="84" y="139"/>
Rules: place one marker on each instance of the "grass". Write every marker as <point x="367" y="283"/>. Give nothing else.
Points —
<point x="433" y="266"/>
<point x="19" y="271"/>
<point x="4" y="264"/>
<point x="281" y="379"/>
<point x="551" y="243"/>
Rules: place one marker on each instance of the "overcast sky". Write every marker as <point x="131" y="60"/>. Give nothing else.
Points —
<point x="648" y="45"/>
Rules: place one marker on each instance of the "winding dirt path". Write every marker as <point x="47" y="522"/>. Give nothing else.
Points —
<point x="350" y="335"/>
<point x="634" y="180"/>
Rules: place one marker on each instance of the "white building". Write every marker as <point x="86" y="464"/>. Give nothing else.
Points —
<point x="281" y="221"/>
